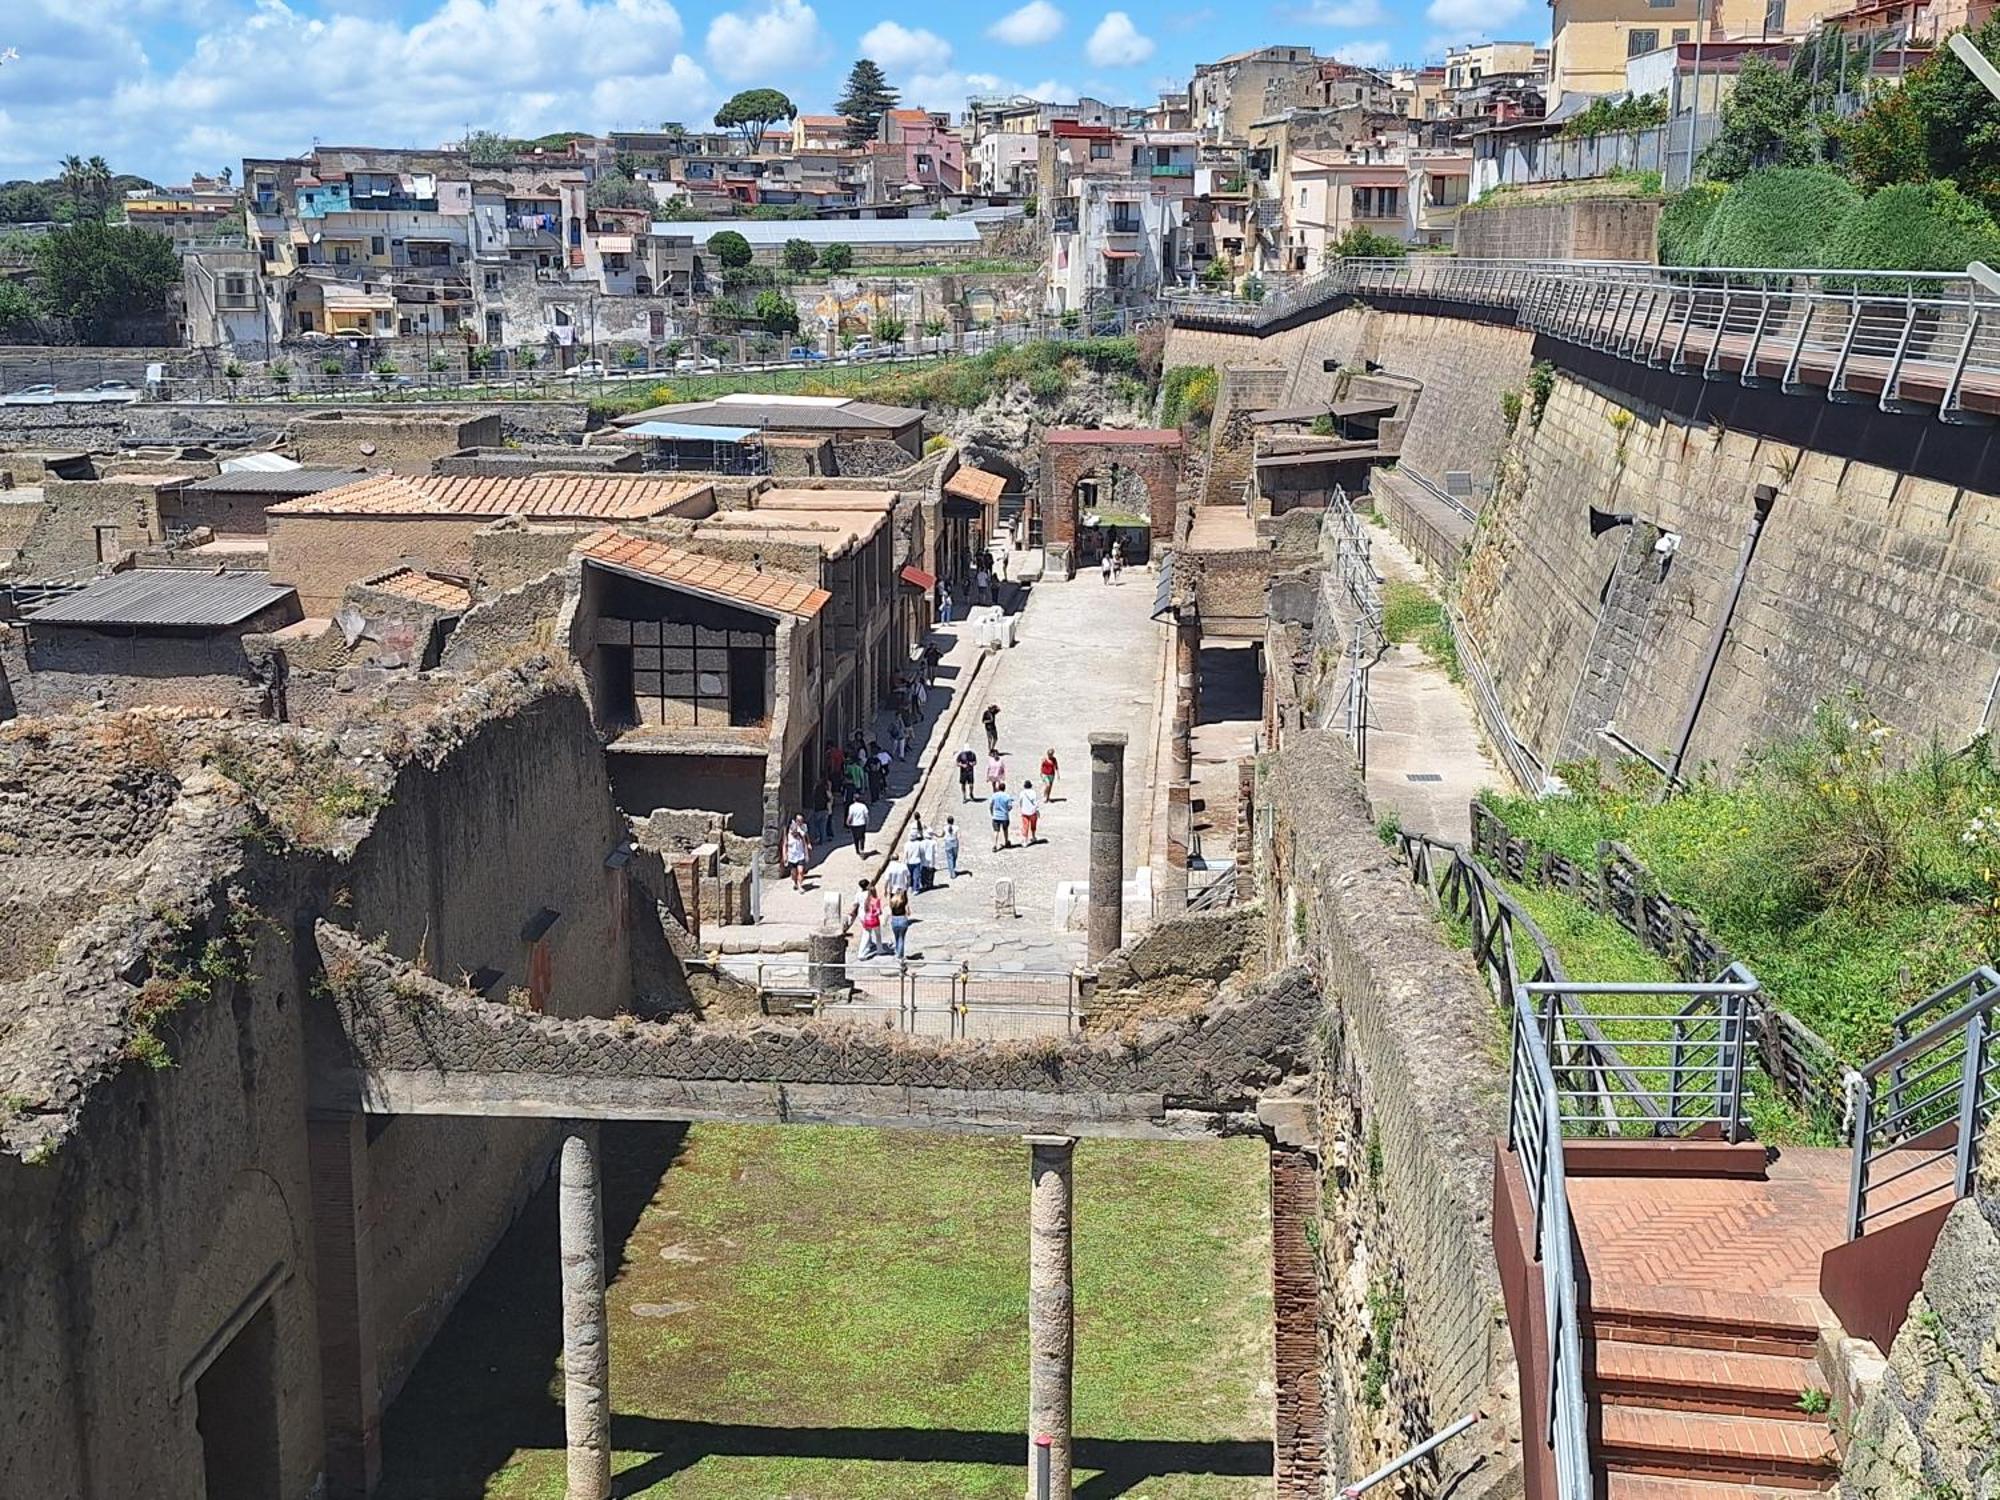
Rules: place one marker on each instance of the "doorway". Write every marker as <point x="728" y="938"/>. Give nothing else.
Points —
<point x="236" y="1413"/>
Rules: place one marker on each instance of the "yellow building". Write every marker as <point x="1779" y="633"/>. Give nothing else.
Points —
<point x="1591" y="40"/>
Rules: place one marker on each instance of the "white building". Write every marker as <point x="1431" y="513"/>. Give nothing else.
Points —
<point x="1127" y="241"/>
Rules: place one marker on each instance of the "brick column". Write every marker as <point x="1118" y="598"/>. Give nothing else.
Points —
<point x="1107" y="842"/>
<point x="1299" y="1436"/>
<point x="349" y="1393"/>
<point x="586" y="1353"/>
<point x="1051" y="1308"/>
<point x="1180" y="773"/>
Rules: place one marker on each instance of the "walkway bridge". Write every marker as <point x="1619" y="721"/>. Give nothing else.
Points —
<point x="1674" y="1287"/>
<point x="1898" y="340"/>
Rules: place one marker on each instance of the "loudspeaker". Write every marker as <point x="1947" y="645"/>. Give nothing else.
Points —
<point x="1602" y="521"/>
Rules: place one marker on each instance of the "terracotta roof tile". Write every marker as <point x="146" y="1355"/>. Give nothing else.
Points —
<point x="982" y="485"/>
<point x="559" y="496"/>
<point x="423" y="588"/>
<point x="776" y="593"/>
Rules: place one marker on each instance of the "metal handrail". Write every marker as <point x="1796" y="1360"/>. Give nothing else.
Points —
<point x="1957" y="1041"/>
<point x="1535" y="1136"/>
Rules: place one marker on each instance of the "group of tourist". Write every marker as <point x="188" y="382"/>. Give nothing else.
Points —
<point x="1002" y="805"/>
<point x="929" y="861"/>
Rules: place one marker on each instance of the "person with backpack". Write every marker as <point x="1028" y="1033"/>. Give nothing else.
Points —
<point x="871" y="922"/>
<point x="967" y="763"/>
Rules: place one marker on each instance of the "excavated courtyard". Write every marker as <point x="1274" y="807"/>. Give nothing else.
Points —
<point x="823" y="1314"/>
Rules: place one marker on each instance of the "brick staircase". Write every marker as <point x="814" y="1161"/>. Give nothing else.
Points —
<point x="1695" y="1395"/>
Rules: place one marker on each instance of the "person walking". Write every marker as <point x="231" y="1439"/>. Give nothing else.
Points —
<point x="877" y="770"/>
<point x="899" y="738"/>
<point x="913" y="854"/>
<point x="948" y="844"/>
<point x="1104" y="567"/>
<point x="818" y="811"/>
<point x="896" y="877"/>
<point x="1030" y="803"/>
<point x="991" y="719"/>
<point x="930" y="854"/>
<point x="932" y="656"/>
<point x="871" y="921"/>
<point x="944" y="605"/>
<point x="899" y="922"/>
<point x="996" y="772"/>
<point x="798" y="850"/>
<point x="1000" y="807"/>
<point x="857" y="821"/>
<point x="1049" y="769"/>
<point x="1117" y="561"/>
<point x="967" y="763"/>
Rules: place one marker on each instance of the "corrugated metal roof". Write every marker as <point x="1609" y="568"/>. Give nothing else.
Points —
<point x="692" y="432"/>
<point x="558" y="494"/>
<point x="766" y="592"/>
<point x="778" y="415"/>
<point x="167" y="596"/>
<point x="771" y="234"/>
<point x="267" y="462"/>
<point x="292" y="481"/>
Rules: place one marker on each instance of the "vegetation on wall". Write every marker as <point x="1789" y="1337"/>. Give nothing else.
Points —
<point x="1187" y="395"/>
<point x="1684" y="223"/>
<point x="1605" y="114"/>
<point x="1854" y="874"/>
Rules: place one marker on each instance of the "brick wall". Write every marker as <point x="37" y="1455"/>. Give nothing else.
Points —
<point x="1526" y="227"/>
<point x="1158" y="468"/>
<point x="1299" y="1428"/>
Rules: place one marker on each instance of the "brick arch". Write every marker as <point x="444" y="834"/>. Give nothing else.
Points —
<point x="1069" y="455"/>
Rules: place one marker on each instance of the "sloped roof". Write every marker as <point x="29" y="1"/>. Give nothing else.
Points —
<point x="294" y="481"/>
<point x="423" y="588"/>
<point x="778" y="414"/>
<point x="982" y="485"/>
<point x="766" y="592"/>
<point x="1147" y="437"/>
<point x="558" y="494"/>
<point x="167" y="597"/>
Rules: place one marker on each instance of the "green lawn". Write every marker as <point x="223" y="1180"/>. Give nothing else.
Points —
<point x="806" y="1313"/>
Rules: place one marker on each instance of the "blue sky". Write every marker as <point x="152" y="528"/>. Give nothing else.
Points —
<point x="165" y="87"/>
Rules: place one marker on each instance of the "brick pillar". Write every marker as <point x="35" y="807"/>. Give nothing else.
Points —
<point x="350" y="1395"/>
<point x="1246" y="821"/>
<point x="1051" y="1308"/>
<point x="1180" y="773"/>
<point x="687" y="880"/>
<point x="1299" y="1436"/>
<point x="1107" y="842"/>
<point x="586" y="1352"/>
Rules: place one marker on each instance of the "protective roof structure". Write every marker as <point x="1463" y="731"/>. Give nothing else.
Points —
<point x="167" y="597"/>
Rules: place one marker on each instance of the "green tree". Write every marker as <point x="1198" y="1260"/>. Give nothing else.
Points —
<point x="730" y="249"/>
<point x="891" y="330"/>
<point x="103" y="278"/>
<point x="1782" y="216"/>
<point x="867" y="99"/>
<point x="837" y="256"/>
<point x="1365" y="244"/>
<point x="17" y="308"/>
<point x="1767" y="121"/>
<point x="487" y="148"/>
<point x="775" y="311"/>
<point x="799" y="255"/>
<point x="1884" y="144"/>
<point x="616" y="190"/>
<point x="753" y="111"/>
<point x="936" y="328"/>
<point x="26" y="203"/>
<point x="1958" y="120"/>
<point x="1913" y="226"/>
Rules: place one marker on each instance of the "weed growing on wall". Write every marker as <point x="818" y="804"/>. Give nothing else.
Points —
<point x="1541" y="385"/>
<point x="1187" y="395"/>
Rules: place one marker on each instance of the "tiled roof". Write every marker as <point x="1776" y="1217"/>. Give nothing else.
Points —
<point x="982" y="485"/>
<point x="1149" y="437"/>
<point x="767" y="592"/>
<point x="423" y="588"/>
<point x="558" y="494"/>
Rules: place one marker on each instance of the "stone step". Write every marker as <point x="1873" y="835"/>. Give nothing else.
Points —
<point x="1701" y="1445"/>
<point x="1659" y="1487"/>
<point x="1741" y="1323"/>
<point x="1709" y="1380"/>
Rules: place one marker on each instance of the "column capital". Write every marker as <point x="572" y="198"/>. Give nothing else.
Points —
<point x="1050" y="1140"/>
<point x="1108" y="739"/>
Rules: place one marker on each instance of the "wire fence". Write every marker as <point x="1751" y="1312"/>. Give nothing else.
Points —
<point x="956" y="1002"/>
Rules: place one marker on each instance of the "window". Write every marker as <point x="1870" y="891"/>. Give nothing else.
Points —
<point x="1378" y="203"/>
<point x="492" y="281"/>
<point x="1100" y="151"/>
<point x="1774" y="17"/>
<point x="375" y="245"/>
<point x="656" y="324"/>
<point x="342" y="256"/>
<point x="1641" y="39"/>
<point x="1681" y="34"/>
<point x="493" y="328"/>
<point x="268" y="249"/>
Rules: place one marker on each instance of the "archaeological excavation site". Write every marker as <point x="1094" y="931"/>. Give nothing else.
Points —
<point x="1388" y="890"/>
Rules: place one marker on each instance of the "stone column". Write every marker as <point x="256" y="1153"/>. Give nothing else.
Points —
<point x="1107" y="842"/>
<point x="586" y="1352"/>
<point x="1051" y="1308"/>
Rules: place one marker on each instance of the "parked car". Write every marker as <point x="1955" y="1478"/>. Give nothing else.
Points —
<point x="690" y="363"/>
<point x="32" y="390"/>
<point x="803" y="351"/>
<point x="110" y="385"/>
<point x="589" y="369"/>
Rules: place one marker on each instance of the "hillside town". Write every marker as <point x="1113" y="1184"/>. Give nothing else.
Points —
<point x="1385" y="675"/>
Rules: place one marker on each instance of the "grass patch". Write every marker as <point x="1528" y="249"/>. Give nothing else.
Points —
<point x="1410" y="612"/>
<point x="819" y="1314"/>
<point x="1854" y="875"/>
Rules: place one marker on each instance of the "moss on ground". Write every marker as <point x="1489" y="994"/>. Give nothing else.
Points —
<point x="807" y="1313"/>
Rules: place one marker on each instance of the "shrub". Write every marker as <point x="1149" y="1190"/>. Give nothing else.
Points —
<point x="1782" y="216"/>
<point x="1510" y="409"/>
<point x="776" y="312"/>
<point x="730" y="249"/>
<point x="1684" y="222"/>
<point x="331" y="367"/>
<point x="1047" y="385"/>
<point x="799" y="255"/>
<point x="1187" y="395"/>
<point x="1913" y="226"/>
<point x="836" y="256"/>
<point x="1633" y="112"/>
<point x="1541" y="385"/>
<point x="1365" y="244"/>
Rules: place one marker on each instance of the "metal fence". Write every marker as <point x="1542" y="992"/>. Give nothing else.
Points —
<point x="1899" y="339"/>
<point x="955" y="1002"/>
<point x="1354" y="568"/>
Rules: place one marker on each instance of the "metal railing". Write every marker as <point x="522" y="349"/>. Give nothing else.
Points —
<point x="1217" y="893"/>
<point x="1354" y="567"/>
<point x="1922" y="1106"/>
<point x="1535" y="1135"/>
<point x="1900" y="339"/>
<point x="942" y="999"/>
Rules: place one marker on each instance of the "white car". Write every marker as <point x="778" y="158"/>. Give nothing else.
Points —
<point x="590" y="369"/>
<point x="689" y="364"/>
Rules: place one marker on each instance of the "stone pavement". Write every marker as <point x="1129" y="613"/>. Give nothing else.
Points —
<point x="1088" y="658"/>
<point x="1421" y="724"/>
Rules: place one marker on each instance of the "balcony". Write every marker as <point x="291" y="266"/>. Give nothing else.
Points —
<point x="1173" y="169"/>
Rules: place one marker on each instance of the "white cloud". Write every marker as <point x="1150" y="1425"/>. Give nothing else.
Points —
<point x="901" y="49"/>
<point x="1458" y="21"/>
<point x="1034" y="24"/>
<point x="270" y="80"/>
<point x="1342" y="13"/>
<point x="1053" y="91"/>
<point x="1117" y="43"/>
<point x="781" y="37"/>
<point x="1366" y="52"/>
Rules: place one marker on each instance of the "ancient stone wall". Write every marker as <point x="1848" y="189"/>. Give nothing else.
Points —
<point x="1411" y="1097"/>
<point x="408" y="444"/>
<point x="64" y="539"/>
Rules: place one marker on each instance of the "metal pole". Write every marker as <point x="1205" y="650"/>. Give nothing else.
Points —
<point x="1763" y="498"/>
<point x="1396" y="1464"/>
<point x="1042" y="1466"/>
<point x="1694" y="111"/>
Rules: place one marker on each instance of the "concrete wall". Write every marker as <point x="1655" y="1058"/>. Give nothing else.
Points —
<point x="1531" y="226"/>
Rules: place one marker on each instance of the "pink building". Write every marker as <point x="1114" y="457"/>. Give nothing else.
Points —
<point x="933" y="155"/>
